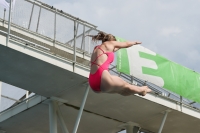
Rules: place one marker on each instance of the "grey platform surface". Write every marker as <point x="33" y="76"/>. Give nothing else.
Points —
<point x="35" y="75"/>
<point x="103" y="112"/>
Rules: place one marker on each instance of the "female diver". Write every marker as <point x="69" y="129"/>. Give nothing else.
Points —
<point x="100" y="79"/>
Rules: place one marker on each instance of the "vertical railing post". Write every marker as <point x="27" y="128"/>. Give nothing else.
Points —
<point x="27" y="94"/>
<point x="133" y="81"/>
<point x="81" y="110"/>
<point x="54" y="39"/>
<point x="74" y="41"/>
<point x="4" y="16"/>
<point x="29" y="24"/>
<point x="181" y="103"/>
<point x="119" y="74"/>
<point x="83" y="39"/>
<point x="38" y="20"/>
<point x="89" y="43"/>
<point x="9" y="22"/>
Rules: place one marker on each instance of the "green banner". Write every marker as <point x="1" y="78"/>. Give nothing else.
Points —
<point x="122" y="59"/>
<point x="147" y="65"/>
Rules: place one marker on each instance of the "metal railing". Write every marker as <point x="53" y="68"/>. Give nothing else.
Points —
<point x="52" y="23"/>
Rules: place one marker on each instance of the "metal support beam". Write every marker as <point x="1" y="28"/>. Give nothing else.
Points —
<point x="163" y="121"/>
<point x="131" y="127"/>
<point x="9" y="22"/>
<point x="55" y="114"/>
<point x="52" y="116"/>
<point x="0" y="93"/>
<point x="62" y="123"/>
<point x="81" y="110"/>
<point x="32" y="101"/>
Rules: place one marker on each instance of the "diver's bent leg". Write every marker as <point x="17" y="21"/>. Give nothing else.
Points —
<point x="114" y="84"/>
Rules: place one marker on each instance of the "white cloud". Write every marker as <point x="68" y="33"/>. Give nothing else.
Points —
<point x="194" y="55"/>
<point x="170" y="31"/>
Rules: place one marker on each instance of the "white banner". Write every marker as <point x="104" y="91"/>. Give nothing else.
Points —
<point x="6" y="3"/>
<point x="131" y="62"/>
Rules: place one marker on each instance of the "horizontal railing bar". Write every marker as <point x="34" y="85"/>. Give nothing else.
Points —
<point x="11" y="98"/>
<point x="60" y="12"/>
<point x="26" y="41"/>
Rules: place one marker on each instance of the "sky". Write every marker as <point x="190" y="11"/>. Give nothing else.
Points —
<point x="169" y="28"/>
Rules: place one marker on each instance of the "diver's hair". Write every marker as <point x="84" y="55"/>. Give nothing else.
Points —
<point x="102" y="36"/>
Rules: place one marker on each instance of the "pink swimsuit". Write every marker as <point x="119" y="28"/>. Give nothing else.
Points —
<point x="95" y="79"/>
